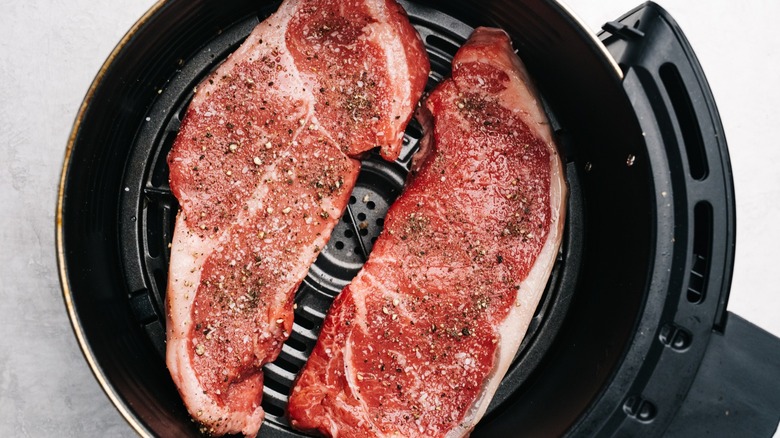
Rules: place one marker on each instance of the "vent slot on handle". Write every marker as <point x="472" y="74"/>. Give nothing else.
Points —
<point x="702" y="247"/>
<point x="686" y="118"/>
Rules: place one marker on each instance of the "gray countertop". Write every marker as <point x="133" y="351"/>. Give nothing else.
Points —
<point x="51" y="50"/>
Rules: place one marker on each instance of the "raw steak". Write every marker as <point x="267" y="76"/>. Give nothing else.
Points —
<point x="418" y="342"/>
<point x="263" y="167"/>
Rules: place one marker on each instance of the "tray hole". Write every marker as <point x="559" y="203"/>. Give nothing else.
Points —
<point x="348" y="234"/>
<point x="340" y="245"/>
<point x="702" y="247"/>
<point x="304" y="322"/>
<point x="686" y="117"/>
<point x="442" y="44"/>
<point x="154" y="240"/>
<point x="352" y="200"/>
<point x="296" y="344"/>
<point x="414" y="130"/>
<point x="159" y="173"/>
<point x="371" y="205"/>
<point x="287" y="366"/>
<point x="272" y="409"/>
<point x="361" y="216"/>
<point x="272" y="383"/>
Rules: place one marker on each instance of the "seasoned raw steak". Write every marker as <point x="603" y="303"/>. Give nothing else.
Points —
<point x="263" y="167"/>
<point x="418" y="342"/>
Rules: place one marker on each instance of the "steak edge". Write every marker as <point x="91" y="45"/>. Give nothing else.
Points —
<point x="263" y="167"/>
<point x="419" y="341"/>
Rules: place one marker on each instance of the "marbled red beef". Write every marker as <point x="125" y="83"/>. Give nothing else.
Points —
<point x="418" y="342"/>
<point x="263" y="167"/>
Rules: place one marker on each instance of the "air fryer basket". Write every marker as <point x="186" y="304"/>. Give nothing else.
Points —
<point x="640" y="283"/>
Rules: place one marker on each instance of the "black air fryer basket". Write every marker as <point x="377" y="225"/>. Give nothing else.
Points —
<point x="632" y="337"/>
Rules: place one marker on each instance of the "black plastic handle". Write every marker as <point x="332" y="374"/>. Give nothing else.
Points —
<point x="663" y="76"/>
<point x="713" y="374"/>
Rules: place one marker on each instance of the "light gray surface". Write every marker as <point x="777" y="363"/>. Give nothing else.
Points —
<point x="50" y="52"/>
